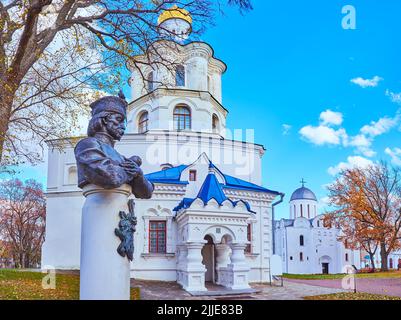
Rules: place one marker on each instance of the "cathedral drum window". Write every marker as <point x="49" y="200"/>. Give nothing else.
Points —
<point x="150" y="81"/>
<point x="143" y="122"/>
<point x="182" y="118"/>
<point x="215" y="122"/>
<point x="180" y="76"/>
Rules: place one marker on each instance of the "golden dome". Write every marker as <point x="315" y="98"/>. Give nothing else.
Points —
<point x="174" y="13"/>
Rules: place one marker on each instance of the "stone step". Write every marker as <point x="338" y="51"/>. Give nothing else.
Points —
<point x="224" y="292"/>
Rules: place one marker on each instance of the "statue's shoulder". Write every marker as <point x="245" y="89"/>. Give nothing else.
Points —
<point x="89" y="142"/>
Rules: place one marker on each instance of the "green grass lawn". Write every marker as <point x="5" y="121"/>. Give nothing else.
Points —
<point x="387" y="274"/>
<point x="351" y="296"/>
<point x="26" y="285"/>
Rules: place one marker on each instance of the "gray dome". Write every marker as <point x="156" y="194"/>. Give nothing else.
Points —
<point x="303" y="193"/>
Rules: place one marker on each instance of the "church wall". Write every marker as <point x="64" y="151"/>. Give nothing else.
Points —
<point x="295" y="265"/>
<point x="231" y="157"/>
<point x="161" y="109"/>
<point x="155" y="266"/>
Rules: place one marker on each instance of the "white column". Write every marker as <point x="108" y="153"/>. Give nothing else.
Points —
<point x="238" y="267"/>
<point x="222" y="260"/>
<point x="105" y="275"/>
<point x="193" y="272"/>
<point x="223" y="255"/>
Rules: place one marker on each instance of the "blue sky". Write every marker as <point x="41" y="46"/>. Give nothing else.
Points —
<point x="291" y="63"/>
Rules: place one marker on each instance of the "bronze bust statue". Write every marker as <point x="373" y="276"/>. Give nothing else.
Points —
<point x="98" y="162"/>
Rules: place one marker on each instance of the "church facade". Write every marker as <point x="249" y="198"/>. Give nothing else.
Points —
<point x="209" y="219"/>
<point x="306" y="245"/>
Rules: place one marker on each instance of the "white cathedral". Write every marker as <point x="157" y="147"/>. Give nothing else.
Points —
<point x="209" y="219"/>
<point x="306" y="245"/>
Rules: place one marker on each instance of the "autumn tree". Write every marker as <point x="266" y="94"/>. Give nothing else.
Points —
<point x="367" y="207"/>
<point x="53" y="53"/>
<point x="22" y="220"/>
<point x="355" y="235"/>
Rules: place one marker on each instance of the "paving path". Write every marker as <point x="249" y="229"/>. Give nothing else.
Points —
<point x="160" y="290"/>
<point x="387" y="286"/>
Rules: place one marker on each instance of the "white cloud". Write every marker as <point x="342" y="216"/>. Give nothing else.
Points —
<point x="362" y="142"/>
<point x="352" y="162"/>
<point x="323" y="203"/>
<point x="286" y="129"/>
<point x="383" y="125"/>
<point x="323" y="135"/>
<point x="395" y="155"/>
<point x="394" y="97"/>
<point x="365" y="83"/>
<point x="330" y="117"/>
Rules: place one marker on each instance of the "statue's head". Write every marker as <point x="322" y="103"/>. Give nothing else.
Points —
<point x="109" y="115"/>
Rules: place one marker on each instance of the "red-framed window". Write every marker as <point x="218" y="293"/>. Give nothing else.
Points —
<point x="143" y="122"/>
<point x="157" y="236"/>
<point x="192" y="175"/>
<point x="248" y="247"/>
<point x="182" y="118"/>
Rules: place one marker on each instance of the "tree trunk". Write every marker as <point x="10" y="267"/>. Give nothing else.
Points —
<point x="6" y="102"/>
<point x="372" y="260"/>
<point x="383" y="256"/>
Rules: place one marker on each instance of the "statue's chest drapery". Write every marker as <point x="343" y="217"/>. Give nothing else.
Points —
<point x="111" y="153"/>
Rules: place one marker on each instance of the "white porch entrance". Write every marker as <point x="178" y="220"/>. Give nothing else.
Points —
<point x="209" y="261"/>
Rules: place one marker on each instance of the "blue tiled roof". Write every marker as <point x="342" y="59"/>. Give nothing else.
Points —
<point x="211" y="189"/>
<point x="185" y="203"/>
<point x="172" y="175"/>
<point x="236" y="183"/>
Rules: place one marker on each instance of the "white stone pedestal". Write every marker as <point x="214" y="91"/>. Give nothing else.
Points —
<point x="105" y="275"/>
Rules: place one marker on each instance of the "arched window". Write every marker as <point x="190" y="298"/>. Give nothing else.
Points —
<point x="180" y="76"/>
<point x="301" y="240"/>
<point x="150" y="81"/>
<point x="72" y="175"/>
<point x="182" y="118"/>
<point x="301" y="256"/>
<point x="143" y="122"/>
<point x="308" y="211"/>
<point x="295" y="211"/>
<point x="318" y="223"/>
<point x="346" y="257"/>
<point x="215" y="122"/>
<point x="302" y="214"/>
